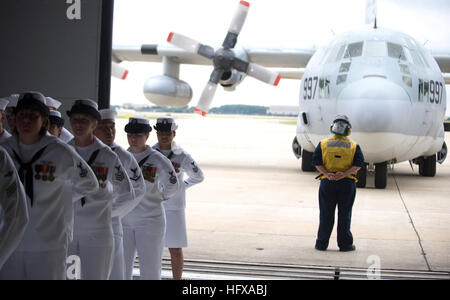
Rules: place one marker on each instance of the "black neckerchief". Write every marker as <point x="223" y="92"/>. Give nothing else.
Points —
<point x="142" y="161"/>
<point x="168" y="156"/>
<point x="90" y="162"/>
<point x="26" y="168"/>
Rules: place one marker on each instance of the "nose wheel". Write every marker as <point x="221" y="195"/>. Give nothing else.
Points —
<point x="427" y="166"/>
<point x="362" y="176"/>
<point x="380" y="176"/>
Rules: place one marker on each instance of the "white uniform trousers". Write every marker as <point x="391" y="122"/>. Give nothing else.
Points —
<point x="176" y="233"/>
<point x="118" y="268"/>
<point x="96" y="251"/>
<point x="148" y="242"/>
<point x="35" y="265"/>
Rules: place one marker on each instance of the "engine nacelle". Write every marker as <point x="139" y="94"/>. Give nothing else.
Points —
<point x="167" y="91"/>
<point x="231" y="79"/>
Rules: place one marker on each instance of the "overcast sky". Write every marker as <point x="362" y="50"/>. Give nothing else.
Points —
<point x="270" y="23"/>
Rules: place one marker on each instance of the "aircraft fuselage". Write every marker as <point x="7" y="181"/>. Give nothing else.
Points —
<point x="391" y="89"/>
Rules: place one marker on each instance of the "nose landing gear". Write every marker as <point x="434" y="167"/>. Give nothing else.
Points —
<point x="380" y="176"/>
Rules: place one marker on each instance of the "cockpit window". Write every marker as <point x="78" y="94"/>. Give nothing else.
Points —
<point x="340" y="53"/>
<point x="396" y="51"/>
<point x="335" y="53"/>
<point x="353" y="50"/>
<point x="375" y="48"/>
<point x="416" y="58"/>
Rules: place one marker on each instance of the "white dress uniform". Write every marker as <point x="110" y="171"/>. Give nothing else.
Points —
<point x="144" y="227"/>
<point x="134" y="172"/>
<point x="93" y="238"/>
<point x="4" y="134"/>
<point x="65" y="135"/>
<point x="176" y="233"/>
<point x="50" y="164"/>
<point x="13" y="207"/>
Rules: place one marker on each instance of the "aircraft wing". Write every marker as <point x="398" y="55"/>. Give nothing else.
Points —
<point x="267" y="57"/>
<point x="443" y="61"/>
<point x="446" y="77"/>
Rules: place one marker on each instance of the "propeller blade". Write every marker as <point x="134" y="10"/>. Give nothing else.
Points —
<point x="239" y="17"/>
<point x="206" y="98"/>
<point x="204" y="103"/>
<point x="263" y="74"/>
<point x="236" y="25"/>
<point x="190" y="45"/>
<point x="183" y="42"/>
<point x="118" y="71"/>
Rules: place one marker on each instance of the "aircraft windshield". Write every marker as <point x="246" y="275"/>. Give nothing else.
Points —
<point x="396" y="51"/>
<point x="375" y="48"/>
<point x="354" y="50"/>
<point x="371" y="48"/>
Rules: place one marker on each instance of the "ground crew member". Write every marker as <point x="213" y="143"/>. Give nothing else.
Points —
<point x="45" y="165"/>
<point x="106" y="132"/>
<point x="144" y="227"/>
<point x="176" y="233"/>
<point x="13" y="205"/>
<point x="4" y="134"/>
<point x="338" y="159"/>
<point x="93" y="239"/>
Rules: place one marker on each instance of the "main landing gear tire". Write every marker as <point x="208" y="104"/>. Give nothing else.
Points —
<point x="361" y="176"/>
<point x="307" y="161"/>
<point x="381" y="175"/>
<point x="427" y="166"/>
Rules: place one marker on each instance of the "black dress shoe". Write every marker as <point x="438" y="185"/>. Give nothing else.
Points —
<point x="320" y="248"/>
<point x="347" y="249"/>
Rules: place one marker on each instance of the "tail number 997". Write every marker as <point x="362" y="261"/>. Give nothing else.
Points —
<point x="310" y="87"/>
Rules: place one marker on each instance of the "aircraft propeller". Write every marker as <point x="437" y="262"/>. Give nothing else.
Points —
<point x="224" y="59"/>
<point x="118" y="71"/>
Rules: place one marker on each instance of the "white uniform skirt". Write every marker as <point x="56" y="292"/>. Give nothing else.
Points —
<point x="176" y="233"/>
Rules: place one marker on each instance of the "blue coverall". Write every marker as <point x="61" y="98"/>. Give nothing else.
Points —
<point x="331" y="193"/>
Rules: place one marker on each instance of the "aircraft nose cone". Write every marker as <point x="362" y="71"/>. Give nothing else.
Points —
<point x="379" y="111"/>
<point x="375" y="104"/>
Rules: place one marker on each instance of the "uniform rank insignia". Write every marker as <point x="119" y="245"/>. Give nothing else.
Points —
<point x="83" y="171"/>
<point x="102" y="174"/>
<point x="173" y="178"/>
<point x="44" y="172"/>
<point x="149" y="173"/>
<point x="176" y="166"/>
<point x="119" y="174"/>
<point x="136" y="176"/>
<point x="194" y="167"/>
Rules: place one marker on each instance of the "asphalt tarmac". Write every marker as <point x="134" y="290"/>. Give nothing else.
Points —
<point x="257" y="206"/>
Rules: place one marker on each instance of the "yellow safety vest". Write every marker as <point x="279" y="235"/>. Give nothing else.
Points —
<point x="337" y="154"/>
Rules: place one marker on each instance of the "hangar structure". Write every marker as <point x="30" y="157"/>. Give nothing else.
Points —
<point x="61" y="48"/>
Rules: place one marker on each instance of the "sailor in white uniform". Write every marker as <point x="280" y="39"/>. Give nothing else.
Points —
<point x="93" y="239"/>
<point x="3" y="133"/>
<point x="56" y="123"/>
<point x="54" y="105"/>
<point x="144" y="227"/>
<point x="44" y="165"/>
<point x="13" y="207"/>
<point x="106" y="132"/>
<point x="10" y="112"/>
<point x="176" y="233"/>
